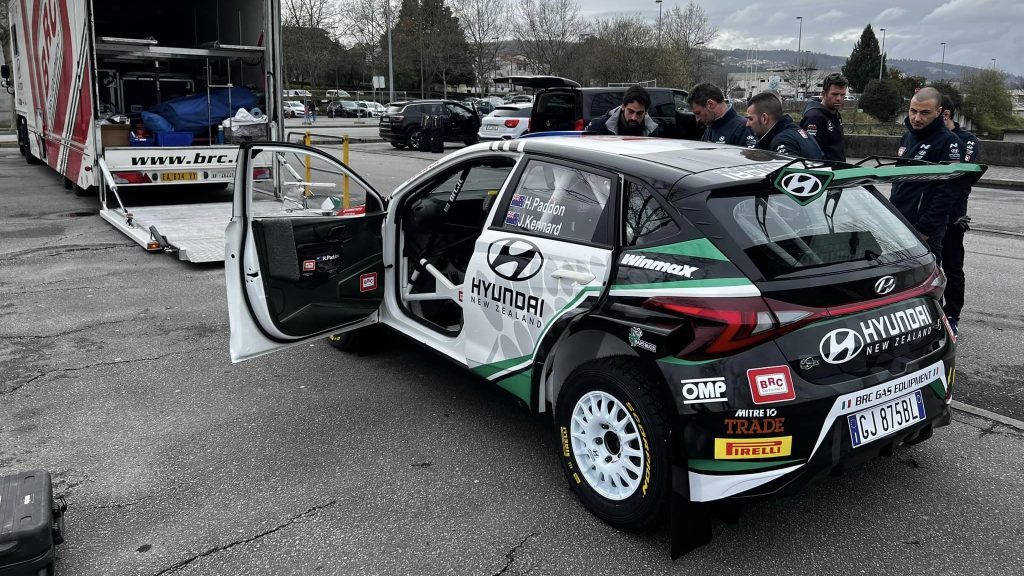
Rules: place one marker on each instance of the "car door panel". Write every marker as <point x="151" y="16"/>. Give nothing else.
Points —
<point x="304" y="249"/>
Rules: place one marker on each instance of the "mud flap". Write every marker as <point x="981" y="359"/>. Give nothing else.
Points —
<point x="690" y="521"/>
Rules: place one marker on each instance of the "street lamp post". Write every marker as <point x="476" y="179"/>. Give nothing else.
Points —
<point x="943" y="59"/>
<point x="881" y="58"/>
<point x="659" y="22"/>
<point x="493" y="62"/>
<point x="391" y="68"/>
<point x="993" y="63"/>
<point x="799" y="52"/>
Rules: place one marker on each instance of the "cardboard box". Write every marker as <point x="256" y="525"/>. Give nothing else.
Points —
<point x="114" y="134"/>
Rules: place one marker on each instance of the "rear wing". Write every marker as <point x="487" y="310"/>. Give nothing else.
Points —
<point x="804" y="180"/>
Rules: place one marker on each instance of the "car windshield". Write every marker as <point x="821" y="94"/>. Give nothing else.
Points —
<point x="842" y="226"/>
<point x="512" y="112"/>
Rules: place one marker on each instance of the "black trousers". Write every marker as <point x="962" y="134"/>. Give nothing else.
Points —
<point x="953" y="261"/>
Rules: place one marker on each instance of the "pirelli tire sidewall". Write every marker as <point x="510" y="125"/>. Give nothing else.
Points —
<point x="628" y="380"/>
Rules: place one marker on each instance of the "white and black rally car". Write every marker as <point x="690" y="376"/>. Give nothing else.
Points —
<point x="706" y="324"/>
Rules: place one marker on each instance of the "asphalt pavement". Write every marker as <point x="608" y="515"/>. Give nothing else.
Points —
<point x="114" y="375"/>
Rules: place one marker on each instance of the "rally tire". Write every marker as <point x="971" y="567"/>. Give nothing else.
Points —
<point x="643" y="496"/>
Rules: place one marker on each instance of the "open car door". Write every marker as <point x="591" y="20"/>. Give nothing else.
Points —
<point x="303" y="249"/>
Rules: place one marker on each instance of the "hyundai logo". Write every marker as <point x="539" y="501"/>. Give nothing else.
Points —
<point x="801" y="185"/>
<point x="514" y="259"/>
<point x="885" y="285"/>
<point x="839" y="346"/>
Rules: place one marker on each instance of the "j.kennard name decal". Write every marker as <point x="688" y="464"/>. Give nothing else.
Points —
<point x="640" y="261"/>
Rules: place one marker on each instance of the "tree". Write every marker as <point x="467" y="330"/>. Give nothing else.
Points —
<point x="429" y="47"/>
<point x="307" y="36"/>
<point x="987" y="102"/>
<point x="906" y="86"/>
<point x="685" y="36"/>
<point x="862" y="65"/>
<point x="626" y="48"/>
<point x="484" y="22"/>
<point x="365" y="21"/>
<point x="881" y="99"/>
<point x="948" y="89"/>
<point x="546" y="31"/>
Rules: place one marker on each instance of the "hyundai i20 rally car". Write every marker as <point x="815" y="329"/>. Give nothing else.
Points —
<point x="705" y="324"/>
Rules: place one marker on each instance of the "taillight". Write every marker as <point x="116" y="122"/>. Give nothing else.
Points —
<point x="262" y="174"/>
<point x="529" y="124"/>
<point x="725" y="326"/>
<point x="397" y="118"/>
<point x="512" y="123"/>
<point x="579" y="125"/>
<point x="131" y="178"/>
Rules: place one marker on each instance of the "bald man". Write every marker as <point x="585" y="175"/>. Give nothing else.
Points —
<point x="927" y="205"/>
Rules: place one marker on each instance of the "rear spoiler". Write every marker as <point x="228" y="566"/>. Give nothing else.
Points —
<point x="804" y="180"/>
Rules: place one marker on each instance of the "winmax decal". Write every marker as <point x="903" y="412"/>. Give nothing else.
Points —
<point x="640" y="261"/>
<point x="507" y="302"/>
<point x="877" y="334"/>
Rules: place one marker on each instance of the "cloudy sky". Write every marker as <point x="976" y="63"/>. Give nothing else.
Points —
<point x="975" y="31"/>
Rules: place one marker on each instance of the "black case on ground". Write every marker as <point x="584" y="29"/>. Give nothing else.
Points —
<point x="30" y="525"/>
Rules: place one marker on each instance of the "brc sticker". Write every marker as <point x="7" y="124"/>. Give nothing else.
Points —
<point x="308" y="265"/>
<point x="368" y="282"/>
<point x="772" y="384"/>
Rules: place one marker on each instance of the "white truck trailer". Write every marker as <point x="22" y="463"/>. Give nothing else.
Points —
<point x="84" y="72"/>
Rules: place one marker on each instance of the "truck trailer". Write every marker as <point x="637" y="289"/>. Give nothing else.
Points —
<point x="119" y="94"/>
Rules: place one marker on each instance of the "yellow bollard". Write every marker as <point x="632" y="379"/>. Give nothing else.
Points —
<point x="344" y="159"/>
<point x="309" y="174"/>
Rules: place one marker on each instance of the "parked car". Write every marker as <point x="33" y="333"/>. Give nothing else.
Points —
<point x="561" y="104"/>
<point x="401" y="124"/>
<point x="294" y="109"/>
<point x="506" y="122"/>
<point x="705" y="324"/>
<point x="346" y="109"/>
<point x="375" y="109"/>
<point x="522" y="98"/>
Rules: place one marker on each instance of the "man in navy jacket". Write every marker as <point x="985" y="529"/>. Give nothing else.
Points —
<point x="823" y="121"/>
<point x="776" y="131"/>
<point x="722" y="124"/>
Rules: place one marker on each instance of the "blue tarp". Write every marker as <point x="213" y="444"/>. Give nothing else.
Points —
<point x="190" y="114"/>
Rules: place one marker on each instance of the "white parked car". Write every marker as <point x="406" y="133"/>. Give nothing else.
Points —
<point x="508" y="121"/>
<point x="376" y="109"/>
<point x="294" y="109"/>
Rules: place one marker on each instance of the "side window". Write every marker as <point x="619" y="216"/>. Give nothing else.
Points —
<point x="646" y="221"/>
<point x="681" y="104"/>
<point x="663" y="105"/>
<point x="458" y="110"/>
<point x="296" y="182"/>
<point x="561" y="202"/>
<point x="603" y="102"/>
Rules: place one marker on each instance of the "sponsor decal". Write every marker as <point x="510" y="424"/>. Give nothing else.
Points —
<point x="703" y="390"/>
<point x="949" y="329"/>
<point x="368" y="282"/>
<point x="514" y="259"/>
<point x="754" y="426"/>
<point x="721" y="140"/>
<point x="747" y="172"/>
<point x="773" y="384"/>
<point x="636" y="340"/>
<point x="891" y="389"/>
<point x="756" y="413"/>
<point x="196" y="159"/>
<point x="831" y="128"/>
<point x="901" y="150"/>
<point x="327" y="258"/>
<point x="641" y="261"/>
<point x="507" y="301"/>
<point x="647" y="450"/>
<point x="809" y="363"/>
<point x="308" y="265"/>
<point x="885" y="285"/>
<point x="749" y="448"/>
<point x="357" y="211"/>
<point x="812" y="128"/>
<point x="803" y="133"/>
<point x="803" y="185"/>
<point x="877" y="334"/>
<point x="565" y="444"/>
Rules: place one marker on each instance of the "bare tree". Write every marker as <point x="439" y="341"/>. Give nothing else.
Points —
<point x="627" y="48"/>
<point x="309" y="35"/>
<point x="5" y="30"/>
<point x="545" y="32"/>
<point x="365" y="22"/>
<point x="684" y="33"/>
<point x="485" y="23"/>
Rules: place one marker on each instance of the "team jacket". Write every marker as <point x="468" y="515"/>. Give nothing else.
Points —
<point x="785" y="137"/>
<point x="609" y="124"/>
<point x="927" y="204"/>
<point x="731" y="128"/>
<point x="826" y="127"/>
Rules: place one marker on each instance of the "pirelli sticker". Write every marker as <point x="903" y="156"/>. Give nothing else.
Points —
<point x="753" y="448"/>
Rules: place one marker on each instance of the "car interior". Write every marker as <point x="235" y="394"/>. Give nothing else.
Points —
<point x="438" y="228"/>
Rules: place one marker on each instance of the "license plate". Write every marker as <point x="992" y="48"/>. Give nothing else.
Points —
<point x="220" y="175"/>
<point x="880" y="421"/>
<point x="179" y="176"/>
<point x="490" y="127"/>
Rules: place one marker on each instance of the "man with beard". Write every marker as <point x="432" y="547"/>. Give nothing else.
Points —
<point x="722" y="124"/>
<point x="822" y="119"/>
<point x="928" y="205"/>
<point x="629" y="119"/>
<point x="776" y="131"/>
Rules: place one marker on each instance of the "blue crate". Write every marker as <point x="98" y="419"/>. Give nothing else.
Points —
<point x="174" y="138"/>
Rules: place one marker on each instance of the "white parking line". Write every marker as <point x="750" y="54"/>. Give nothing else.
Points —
<point x="981" y="412"/>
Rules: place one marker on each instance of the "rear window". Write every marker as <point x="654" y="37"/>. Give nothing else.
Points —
<point x="602" y="102"/>
<point x="842" y="226"/>
<point x="509" y="112"/>
<point x="395" y="109"/>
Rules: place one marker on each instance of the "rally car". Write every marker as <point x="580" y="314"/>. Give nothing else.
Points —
<point x="706" y="324"/>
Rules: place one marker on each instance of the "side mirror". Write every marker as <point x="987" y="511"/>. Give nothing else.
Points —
<point x="5" y="72"/>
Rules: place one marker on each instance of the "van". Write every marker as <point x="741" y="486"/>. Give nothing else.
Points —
<point x="297" y="94"/>
<point x="336" y="94"/>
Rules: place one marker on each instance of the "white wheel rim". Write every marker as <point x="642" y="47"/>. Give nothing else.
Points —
<point x="607" y="445"/>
